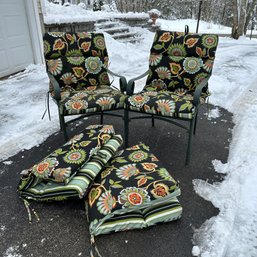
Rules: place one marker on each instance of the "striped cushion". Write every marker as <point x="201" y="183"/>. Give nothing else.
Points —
<point x="133" y="191"/>
<point x="32" y="188"/>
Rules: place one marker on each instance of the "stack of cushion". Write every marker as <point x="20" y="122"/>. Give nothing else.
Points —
<point x="123" y="190"/>
<point x="68" y="171"/>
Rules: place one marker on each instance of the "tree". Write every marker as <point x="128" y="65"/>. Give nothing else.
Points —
<point x="242" y="14"/>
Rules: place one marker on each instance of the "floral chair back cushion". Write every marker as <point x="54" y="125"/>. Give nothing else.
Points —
<point x="179" y="62"/>
<point x="76" y="60"/>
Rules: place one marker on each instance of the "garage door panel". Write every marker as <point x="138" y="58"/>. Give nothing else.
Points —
<point x="15" y="39"/>
<point x="18" y="57"/>
<point x="3" y="65"/>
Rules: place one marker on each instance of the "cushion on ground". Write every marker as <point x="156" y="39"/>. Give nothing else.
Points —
<point x="62" y="164"/>
<point x="164" y="103"/>
<point x="133" y="191"/>
<point x="93" y="99"/>
<point x="33" y="187"/>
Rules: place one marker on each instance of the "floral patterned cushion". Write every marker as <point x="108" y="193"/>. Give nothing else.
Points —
<point x="62" y="164"/>
<point x="30" y="187"/>
<point x="93" y="99"/>
<point x="165" y="103"/>
<point x="76" y="60"/>
<point x="133" y="191"/>
<point x="180" y="61"/>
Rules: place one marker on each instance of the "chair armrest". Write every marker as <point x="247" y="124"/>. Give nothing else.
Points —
<point x="123" y="81"/>
<point x="131" y="83"/>
<point x="57" y="90"/>
<point x="199" y="90"/>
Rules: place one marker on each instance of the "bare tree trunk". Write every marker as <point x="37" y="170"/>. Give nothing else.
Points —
<point x="242" y="13"/>
<point x="249" y="14"/>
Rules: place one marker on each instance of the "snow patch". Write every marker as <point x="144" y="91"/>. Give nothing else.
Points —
<point x="7" y="162"/>
<point x="213" y="114"/>
<point x="12" y="251"/>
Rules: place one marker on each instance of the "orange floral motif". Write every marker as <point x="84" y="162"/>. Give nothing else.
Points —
<point x="165" y="37"/>
<point x="135" y="147"/>
<point x="135" y="198"/>
<point x="149" y="166"/>
<point x="91" y="88"/>
<point x="58" y="44"/>
<point x="42" y="167"/>
<point x="77" y="105"/>
<point x="199" y="51"/>
<point x="70" y="37"/>
<point x="141" y="181"/>
<point x="191" y="42"/>
<point x="160" y="190"/>
<point x="85" y="46"/>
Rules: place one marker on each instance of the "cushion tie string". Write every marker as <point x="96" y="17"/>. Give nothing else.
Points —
<point x="208" y="107"/>
<point x="47" y="108"/>
<point x="29" y="210"/>
<point x="94" y="247"/>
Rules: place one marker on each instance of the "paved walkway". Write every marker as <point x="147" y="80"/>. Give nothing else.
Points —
<point x="63" y="230"/>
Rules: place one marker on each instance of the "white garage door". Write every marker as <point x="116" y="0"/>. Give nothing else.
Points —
<point x="15" y="42"/>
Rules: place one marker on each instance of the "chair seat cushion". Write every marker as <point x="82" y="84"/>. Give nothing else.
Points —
<point x="133" y="191"/>
<point x="165" y="103"/>
<point x="40" y="188"/>
<point x="92" y="99"/>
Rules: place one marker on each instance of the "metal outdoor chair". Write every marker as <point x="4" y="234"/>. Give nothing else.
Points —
<point x="77" y="66"/>
<point x="180" y="66"/>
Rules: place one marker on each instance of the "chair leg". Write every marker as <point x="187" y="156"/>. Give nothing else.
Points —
<point x="196" y="115"/>
<point x="126" y="126"/>
<point x="191" y="130"/>
<point x="102" y="117"/>
<point x="152" y="120"/>
<point x="63" y="127"/>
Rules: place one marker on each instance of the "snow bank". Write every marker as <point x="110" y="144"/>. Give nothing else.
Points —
<point x="233" y="232"/>
<point x="55" y="13"/>
<point x="22" y="105"/>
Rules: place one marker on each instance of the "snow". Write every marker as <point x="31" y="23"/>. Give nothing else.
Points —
<point x="12" y="252"/>
<point x="75" y="13"/>
<point x="213" y="113"/>
<point x="195" y="251"/>
<point x="233" y="232"/>
<point x="234" y="87"/>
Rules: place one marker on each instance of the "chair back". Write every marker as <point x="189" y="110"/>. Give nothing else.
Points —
<point x="76" y="60"/>
<point x="179" y="61"/>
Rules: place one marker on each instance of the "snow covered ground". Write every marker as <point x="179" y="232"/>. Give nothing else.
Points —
<point x="74" y="13"/>
<point x="233" y="233"/>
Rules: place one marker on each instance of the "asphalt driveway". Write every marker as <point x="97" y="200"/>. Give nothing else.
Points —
<point x="63" y="230"/>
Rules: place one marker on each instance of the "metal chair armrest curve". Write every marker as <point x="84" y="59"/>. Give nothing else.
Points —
<point x="198" y="91"/>
<point x="131" y="83"/>
<point x="57" y="89"/>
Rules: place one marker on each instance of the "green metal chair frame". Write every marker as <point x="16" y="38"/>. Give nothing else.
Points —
<point x="200" y="88"/>
<point x="191" y="129"/>
<point x="96" y="48"/>
<point x="57" y="99"/>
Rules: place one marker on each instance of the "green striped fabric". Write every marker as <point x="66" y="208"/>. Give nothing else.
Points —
<point x="77" y="187"/>
<point x="164" y="211"/>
